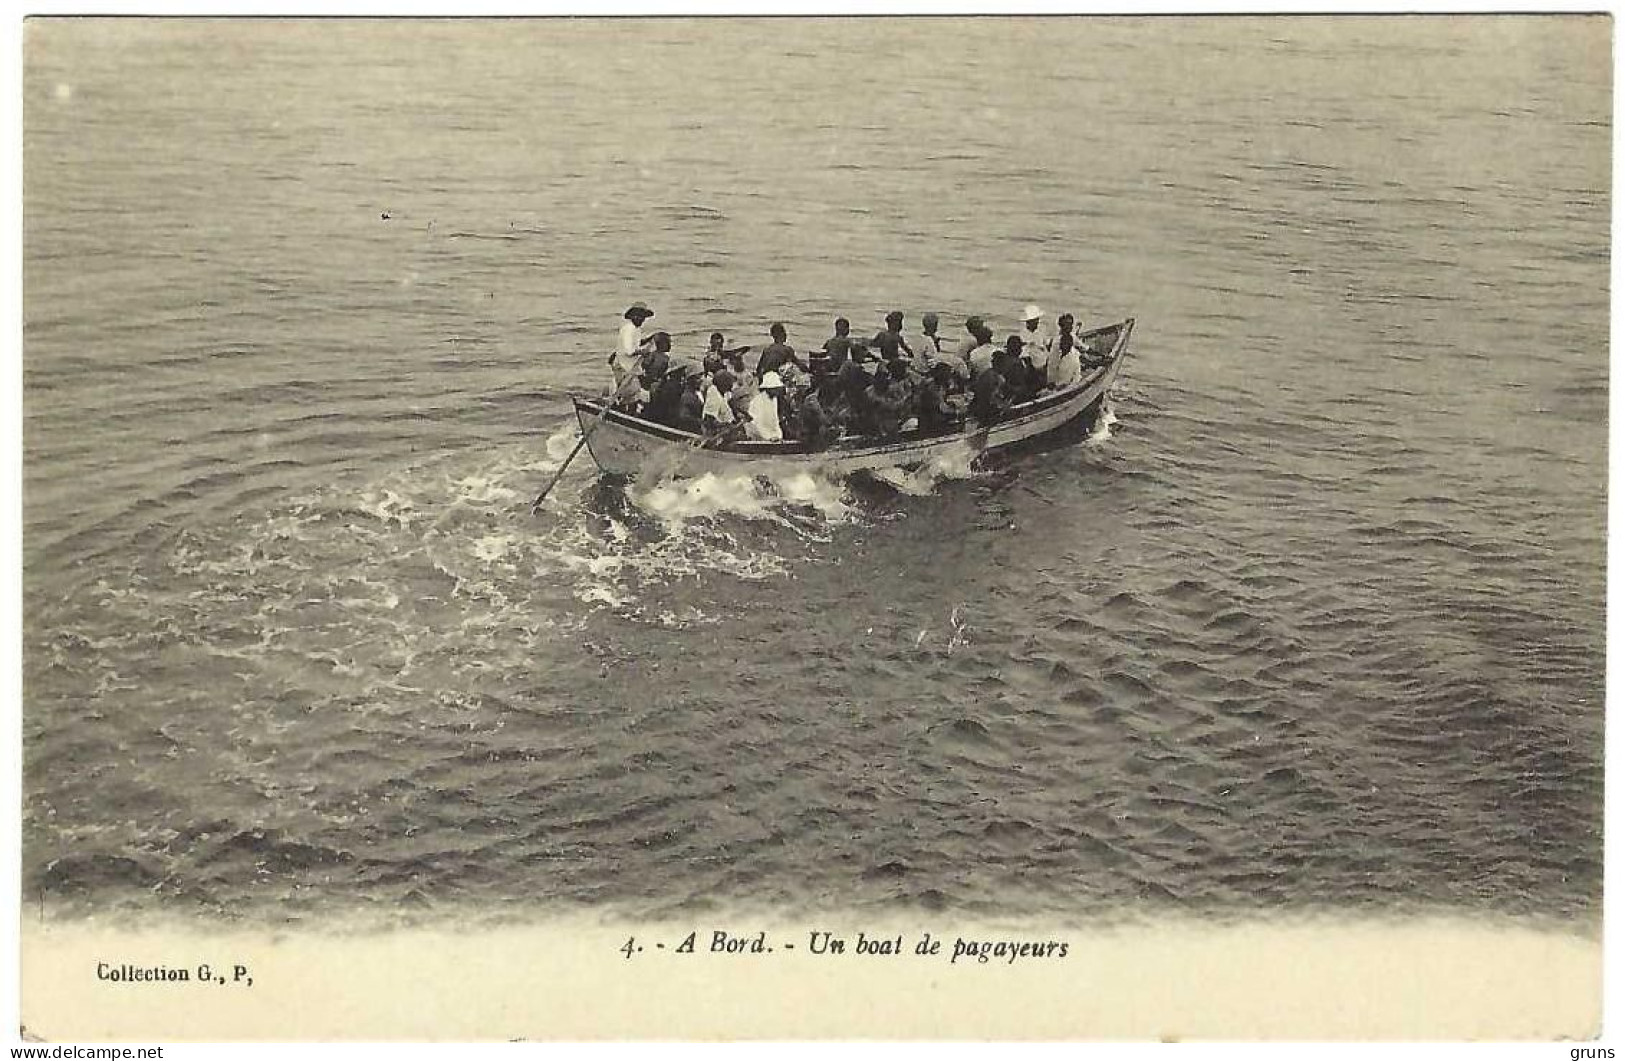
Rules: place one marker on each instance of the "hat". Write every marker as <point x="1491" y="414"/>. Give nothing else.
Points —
<point x="694" y="371"/>
<point x="1032" y="313"/>
<point x="770" y="380"/>
<point x="638" y="307"/>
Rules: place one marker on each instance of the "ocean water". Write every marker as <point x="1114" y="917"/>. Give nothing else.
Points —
<point x="1317" y="623"/>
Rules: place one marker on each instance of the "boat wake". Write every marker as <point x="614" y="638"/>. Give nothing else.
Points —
<point x="402" y="581"/>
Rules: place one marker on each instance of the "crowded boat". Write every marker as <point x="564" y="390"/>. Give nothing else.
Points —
<point x="847" y="386"/>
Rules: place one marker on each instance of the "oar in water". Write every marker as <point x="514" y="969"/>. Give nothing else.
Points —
<point x="536" y="505"/>
<point x="627" y="387"/>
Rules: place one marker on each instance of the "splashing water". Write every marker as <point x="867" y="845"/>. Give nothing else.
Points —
<point x="956" y="463"/>
<point x="749" y="496"/>
<point x="1103" y="424"/>
<point x="562" y="441"/>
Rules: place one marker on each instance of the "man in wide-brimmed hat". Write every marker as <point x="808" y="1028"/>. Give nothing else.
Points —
<point x="624" y="362"/>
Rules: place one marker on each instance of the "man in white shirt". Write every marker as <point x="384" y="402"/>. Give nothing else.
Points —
<point x="980" y="356"/>
<point x="626" y="362"/>
<point x="716" y="418"/>
<point x="1036" y="341"/>
<point x="1065" y="366"/>
<point x="763" y="424"/>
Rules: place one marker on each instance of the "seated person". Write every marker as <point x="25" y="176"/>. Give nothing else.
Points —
<point x="764" y="425"/>
<point x="820" y="416"/>
<point x="691" y="402"/>
<point x="718" y="420"/>
<point x="989" y="397"/>
<point x="665" y="395"/>
<point x="1017" y="372"/>
<point x="1066" y="362"/>
<point x="974" y="327"/>
<point x="931" y="404"/>
<point x="890" y="401"/>
<point x="855" y="377"/>
<point x="744" y="390"/>
<point x="1036" y="341"/>
<point x="979" y="356"/>
<point x="833" y="355"/>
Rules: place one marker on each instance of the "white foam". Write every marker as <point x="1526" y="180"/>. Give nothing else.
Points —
<point x="755" y="497"/>
<point x="562" y="441"/>
<point x="958" y="462"/>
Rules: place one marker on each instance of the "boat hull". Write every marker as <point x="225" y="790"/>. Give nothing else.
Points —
<point x="627" y="445"/>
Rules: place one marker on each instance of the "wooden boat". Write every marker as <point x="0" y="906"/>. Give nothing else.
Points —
<point x="624" y="444"/>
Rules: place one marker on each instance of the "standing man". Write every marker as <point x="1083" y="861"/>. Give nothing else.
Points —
<point x="629" y="349"/>
<point x="894" y="324"/>
<point x="1036" y="341"/>
<point x="835" y="350"/>
<point x="778" y="352"/>
<point x="930" y="341"/>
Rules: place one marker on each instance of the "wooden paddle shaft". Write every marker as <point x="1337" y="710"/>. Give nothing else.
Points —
<point x="551" y="483"/>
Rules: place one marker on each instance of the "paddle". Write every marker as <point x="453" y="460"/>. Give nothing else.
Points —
<point x="536" y="505"/>
<point x="628" y="386"/>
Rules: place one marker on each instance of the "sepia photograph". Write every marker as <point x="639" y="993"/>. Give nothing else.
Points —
<point x="696" y="527"/>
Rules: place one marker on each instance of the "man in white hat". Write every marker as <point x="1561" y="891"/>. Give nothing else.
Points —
<point x="1036" y="341"/>
<point x="763" y="424"/>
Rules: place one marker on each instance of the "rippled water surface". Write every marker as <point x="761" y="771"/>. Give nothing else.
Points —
<point x="1319" y="621"/>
